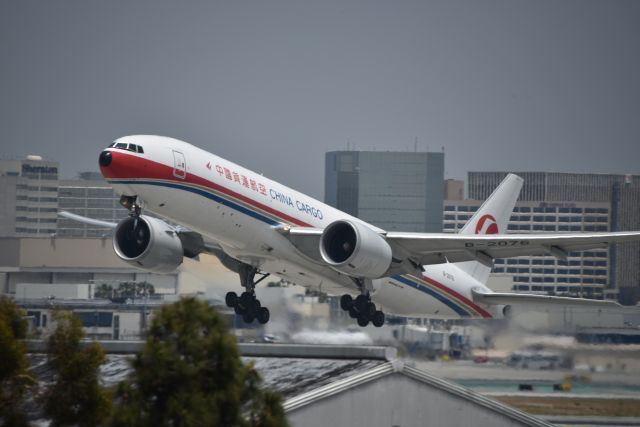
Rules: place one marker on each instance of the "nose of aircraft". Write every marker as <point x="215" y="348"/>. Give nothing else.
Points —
<point x="105" y="158"/>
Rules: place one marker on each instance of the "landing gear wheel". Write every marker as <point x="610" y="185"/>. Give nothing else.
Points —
<point x="378" y="319"/>
<point x="363" y="321"/>
<point x="353" y="313"/>
<point x="247" y="317"/>
<point x="246" y="300"/>
<point x="247" y="305"/>
<point x="361" y="303"/>
<point x="263" y="315"/>
<point x="369" y="310"/>
<point x="346" y="302"/>
<point x="231" y="299"/>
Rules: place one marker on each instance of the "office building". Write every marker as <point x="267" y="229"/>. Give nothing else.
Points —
<point x="29" y="194"/>
<point x="454" y="189"/>
<point x="392" y="190"/>
<point x="91" y="196"/>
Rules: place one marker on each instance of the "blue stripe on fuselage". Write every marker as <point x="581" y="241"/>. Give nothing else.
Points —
<point x="203" y="193"/>
<point x="431" y="292"/>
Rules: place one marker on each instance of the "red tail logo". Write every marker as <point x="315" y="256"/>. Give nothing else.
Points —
<point x="487" y="224"/>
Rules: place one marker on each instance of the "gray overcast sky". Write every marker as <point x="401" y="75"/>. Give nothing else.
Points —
<point x="272" y="85"/>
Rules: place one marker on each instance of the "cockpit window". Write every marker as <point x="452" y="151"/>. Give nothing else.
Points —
<point x="129" y="147"/>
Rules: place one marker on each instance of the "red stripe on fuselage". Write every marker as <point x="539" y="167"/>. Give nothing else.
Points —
<point x="127" y="166"/>
<point x="456" y="295"/>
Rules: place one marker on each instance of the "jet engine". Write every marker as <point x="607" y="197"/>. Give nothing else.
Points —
<point x="148" y="243"/>
<point x="355" y="249"/>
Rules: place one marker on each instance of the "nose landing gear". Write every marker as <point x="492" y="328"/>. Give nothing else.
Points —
<point x="247" y="305"/>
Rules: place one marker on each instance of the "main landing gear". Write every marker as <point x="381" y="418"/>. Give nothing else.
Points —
<point x="247" y="305"/>
<point x="362" y="309"/>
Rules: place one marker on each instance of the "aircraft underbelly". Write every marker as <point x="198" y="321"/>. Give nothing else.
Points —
<point x="397" y="298"/>
<point x="242" y="236"/>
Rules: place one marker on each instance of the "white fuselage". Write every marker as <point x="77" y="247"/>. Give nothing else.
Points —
<point x="242" y="211"/>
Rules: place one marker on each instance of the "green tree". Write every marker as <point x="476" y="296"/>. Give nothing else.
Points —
<point x="14" y="379"/>
<point x="76" y="397"/>
<point x="190" y="374"/>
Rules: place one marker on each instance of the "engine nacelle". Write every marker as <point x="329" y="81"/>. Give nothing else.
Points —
<point x="355" y="249"/>
<point x="148" y="243"/>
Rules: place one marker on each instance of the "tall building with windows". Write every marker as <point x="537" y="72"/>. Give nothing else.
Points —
<point x="29" y="194"/>
<point x="618" y="194"/>
<point x="91" y="196"/>
<point x="392" y="190"/>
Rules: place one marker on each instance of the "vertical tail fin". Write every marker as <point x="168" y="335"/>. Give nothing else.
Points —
<point x="492" y="218"/>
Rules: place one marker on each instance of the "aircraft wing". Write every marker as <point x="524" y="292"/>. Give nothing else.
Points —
<point x="437" y="248"/>
<point x="192" y="241"/>
<point x="491" y="298"/>
<point x="87" y="220"/>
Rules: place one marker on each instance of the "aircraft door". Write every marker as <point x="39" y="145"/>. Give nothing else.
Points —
<point x="179" y="165"/>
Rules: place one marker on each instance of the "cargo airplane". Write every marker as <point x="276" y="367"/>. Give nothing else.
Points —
<point x="258" y="227"/>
